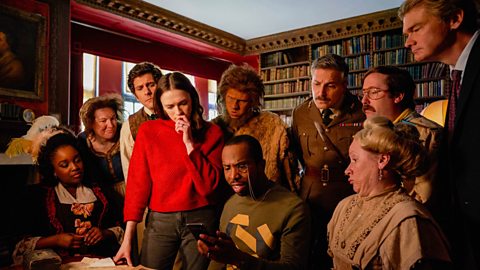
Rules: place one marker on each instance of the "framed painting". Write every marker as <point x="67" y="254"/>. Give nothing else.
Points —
<point x="22" y="54"/>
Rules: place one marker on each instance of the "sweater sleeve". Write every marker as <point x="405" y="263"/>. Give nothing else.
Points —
<point x="205" y="162"/>
<point x="139" y="182"/>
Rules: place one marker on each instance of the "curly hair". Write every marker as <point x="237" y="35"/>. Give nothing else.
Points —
<point x="142" y="69"/>
<point x="87" y="111"/>
<point x="48" y="150"/>
<point x="408" y="157"/>
<point x="244" y="79"/>
<point x="176" y="80"/>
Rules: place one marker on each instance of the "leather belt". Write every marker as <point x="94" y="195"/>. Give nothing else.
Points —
<point x="326" y="174"/>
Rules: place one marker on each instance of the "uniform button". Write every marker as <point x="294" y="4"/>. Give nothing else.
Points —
<point x="325" y="148"/>
<point x="340" y="162"/>
<point x="466" y="203"/>
<point x="327" y="130"/>
<point x="303" y="134"/>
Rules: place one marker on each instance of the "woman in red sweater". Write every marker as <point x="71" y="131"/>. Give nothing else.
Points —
<point x="175" y="170"/>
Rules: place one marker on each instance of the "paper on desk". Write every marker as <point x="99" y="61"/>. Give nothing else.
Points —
<point x="95" y="262"/>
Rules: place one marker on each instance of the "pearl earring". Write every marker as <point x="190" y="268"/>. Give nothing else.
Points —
<point x="380" y="174"/>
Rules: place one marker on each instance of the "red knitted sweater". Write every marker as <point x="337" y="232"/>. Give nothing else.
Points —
<point x="162" y="175"/>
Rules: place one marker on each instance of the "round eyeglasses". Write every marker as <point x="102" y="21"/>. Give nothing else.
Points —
<point x="372" y="93"/>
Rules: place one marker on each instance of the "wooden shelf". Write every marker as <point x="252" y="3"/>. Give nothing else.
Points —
<point x="430" y="98"/>
<point x="382" y="27"/>
<point x="279" y="109"/>
<point x="358" y="70"/>
<point x="288" y="65"/>
<point x="295" y="94"/>
<point x="429" y="79"/>
<point x="389" y="49"/>
<point x="287" y="80"/>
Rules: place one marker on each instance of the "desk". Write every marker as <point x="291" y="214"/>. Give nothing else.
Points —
<point x="80" y="266"/>
<point x="22" y="159"/>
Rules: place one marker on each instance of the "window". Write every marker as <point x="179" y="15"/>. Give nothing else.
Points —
<point x="90" y="69"/>
<point x="212" y="99"/>
<point x="131" y="105"/>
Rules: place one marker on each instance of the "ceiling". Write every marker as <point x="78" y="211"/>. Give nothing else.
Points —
<point x="250" y="19"/>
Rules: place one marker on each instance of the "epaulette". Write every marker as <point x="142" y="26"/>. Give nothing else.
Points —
<point x="354" y="124"/>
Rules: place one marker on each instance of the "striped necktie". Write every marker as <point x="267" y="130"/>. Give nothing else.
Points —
<point x="453" y="100"/>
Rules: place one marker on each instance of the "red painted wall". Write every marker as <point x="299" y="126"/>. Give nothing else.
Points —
<point x="94" y="41"/>
<point x="110" y="80"/>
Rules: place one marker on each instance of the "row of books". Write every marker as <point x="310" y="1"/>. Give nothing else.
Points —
<point x="354" y="45"/>
<point x="284" y="103"/>
<point x="287" y="87"/>
<point x="10" y="111"/>
<point x="431" y="89"/>
<point x="276" y="59"/>
<point x="428" y="70"/>
<point x="273" y="74"/>
<point x="360" y="62"/>
<point x="355" y="79"/>
<point x="396" y="57"/>
<point x="387" y="41"/>
<point x="287" y="119"/>
<point x="423" y="90"/>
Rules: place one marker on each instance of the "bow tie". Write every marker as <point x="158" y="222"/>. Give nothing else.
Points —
<point x="152" y="116"/>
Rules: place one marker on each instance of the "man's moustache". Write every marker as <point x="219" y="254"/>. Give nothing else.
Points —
<point x="368" y="108"/>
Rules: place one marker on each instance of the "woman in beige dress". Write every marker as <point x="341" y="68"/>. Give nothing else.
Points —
<point x="381" y="227"/>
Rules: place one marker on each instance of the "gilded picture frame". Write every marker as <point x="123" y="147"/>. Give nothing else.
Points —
<point x="22" y="54"/>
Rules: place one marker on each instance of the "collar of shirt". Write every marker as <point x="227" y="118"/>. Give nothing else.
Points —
<point x="334" y="112"/>
<point x="402" y="115"/>
<point x="147" y="111"/>
<point x="462" y="60"/>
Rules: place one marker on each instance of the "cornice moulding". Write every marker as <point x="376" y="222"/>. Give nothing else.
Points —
<point x="169" y="21"/>
<point x="175" y="23"/>
<point x="382" y="20"/>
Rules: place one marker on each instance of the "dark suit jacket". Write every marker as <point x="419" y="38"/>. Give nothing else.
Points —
<point x="463" y="153"/>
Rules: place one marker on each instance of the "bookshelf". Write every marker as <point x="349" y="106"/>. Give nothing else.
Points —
<point x="286" y="76"/>
<point x="431" y="78"/>
<point x="364" y="41"/>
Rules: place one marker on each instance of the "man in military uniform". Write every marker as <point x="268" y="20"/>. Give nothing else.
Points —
<point x="322" y="130"/>
<point x="388" y="91"/>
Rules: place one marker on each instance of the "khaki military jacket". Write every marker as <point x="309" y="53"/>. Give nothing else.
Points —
<point x="322" y="189"/>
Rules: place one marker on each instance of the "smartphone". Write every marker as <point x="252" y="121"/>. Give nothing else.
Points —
<point x="198" y="228"/>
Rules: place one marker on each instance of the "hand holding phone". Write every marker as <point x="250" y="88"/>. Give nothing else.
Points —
<point x="199" y="228"/>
